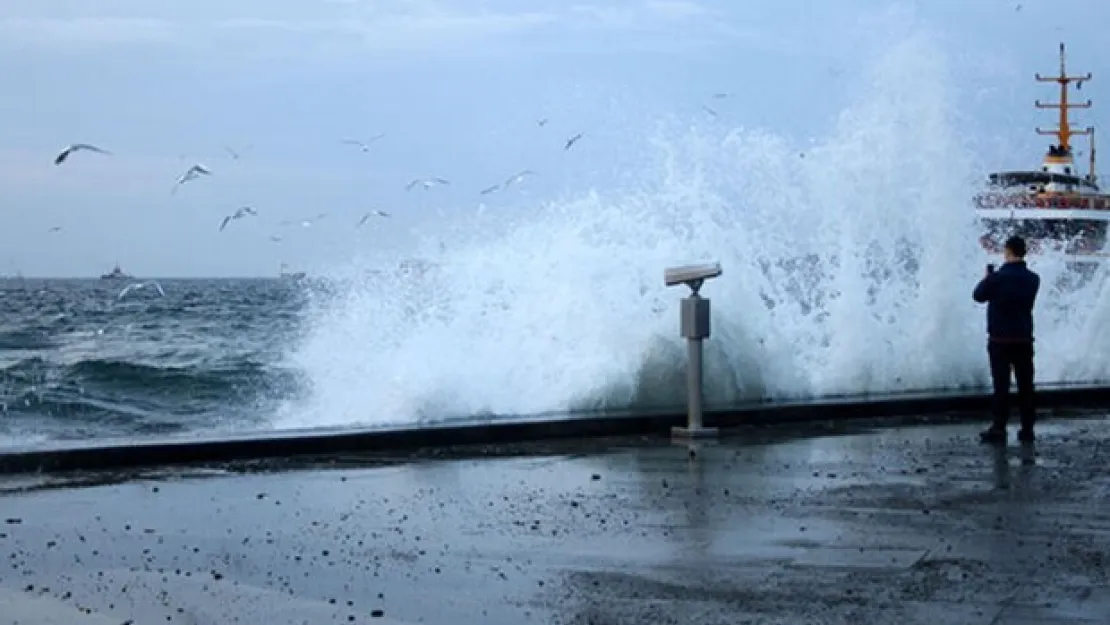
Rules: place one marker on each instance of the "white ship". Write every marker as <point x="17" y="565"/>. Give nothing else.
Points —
<point x="1055" y="208"/>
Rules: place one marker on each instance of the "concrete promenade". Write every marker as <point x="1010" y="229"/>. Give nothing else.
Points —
<point x="907" y="525"/>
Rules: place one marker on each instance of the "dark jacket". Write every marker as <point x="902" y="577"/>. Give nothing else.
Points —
<point x="1010" y="293"/>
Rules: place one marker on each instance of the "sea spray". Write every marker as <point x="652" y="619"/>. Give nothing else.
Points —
<point x="848" y="266"/>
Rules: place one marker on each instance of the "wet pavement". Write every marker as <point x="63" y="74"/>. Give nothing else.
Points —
<point x="906" y="525"/>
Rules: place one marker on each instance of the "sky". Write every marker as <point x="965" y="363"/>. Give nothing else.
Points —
<point x="456" y="87"/>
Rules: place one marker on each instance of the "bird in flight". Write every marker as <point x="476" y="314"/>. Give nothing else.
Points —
<point x="515" y="178"/>
<point x="304" y="223"/>
<point x="275" y="238"/>
<point x="135" y="286"/>
<point x="239" y="213"/>
<point x="194" y="172"/>
<point x="373" y="213"/>
<point x="55" y="229"/>
<point x="235" y="154"/>
<point x="77" y="147"/>
<point x="518" y="177"/>
<point x="572" y="141"/>
<point x="541" y="122"/>
<point x="364" y="145"/>
<point x="427" y="183"/>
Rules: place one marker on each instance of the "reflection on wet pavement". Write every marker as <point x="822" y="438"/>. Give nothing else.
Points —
<point x="908" y="525"/>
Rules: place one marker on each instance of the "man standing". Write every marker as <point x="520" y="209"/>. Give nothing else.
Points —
<point x="1010" y="293"/>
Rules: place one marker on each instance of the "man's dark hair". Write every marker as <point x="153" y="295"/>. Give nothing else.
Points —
<point x="1016" y="245"/>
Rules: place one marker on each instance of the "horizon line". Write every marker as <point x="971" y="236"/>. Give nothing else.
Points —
<point x="140" y="278"/>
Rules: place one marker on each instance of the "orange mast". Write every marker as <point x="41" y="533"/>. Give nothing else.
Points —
<point x="1063" y="131"/>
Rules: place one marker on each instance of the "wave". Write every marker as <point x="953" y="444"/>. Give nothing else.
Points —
<point x="107" y="397"/>
<point x="563" y="307"/>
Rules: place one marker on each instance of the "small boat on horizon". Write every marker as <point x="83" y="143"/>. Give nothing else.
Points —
<point x="115" y="274"/>
<point x="287" y="275"/>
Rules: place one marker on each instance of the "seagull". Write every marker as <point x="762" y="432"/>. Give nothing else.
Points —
<point x="709" y="110"/>
<point x="518" y="177"/>
<point x="427" y="183"/>
<point x="239" y="213"/>
<point x="541" y="122"/>
<point x="719" y="96"/>
<point x="135" y="286"/>
<point x="572" y="141"/>
<point x="194" y="172"/>
<point x="235" y="155"/>
<point x="489" y="189"/>
<point x="373" y="213"/>
<point x="275" y="238"/>
<point x="364" y="145"/>
<point x="55" y="229"/>
<point x="304" y="223"/>
<point x="77" y="147"/>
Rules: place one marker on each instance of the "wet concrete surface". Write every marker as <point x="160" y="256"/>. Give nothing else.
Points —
<point x="904" y="525"/>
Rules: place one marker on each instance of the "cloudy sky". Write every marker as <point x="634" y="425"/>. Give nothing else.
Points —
<point x="457" y="87"/>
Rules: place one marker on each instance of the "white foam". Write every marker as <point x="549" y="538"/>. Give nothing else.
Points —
<point x="566" y="309"/>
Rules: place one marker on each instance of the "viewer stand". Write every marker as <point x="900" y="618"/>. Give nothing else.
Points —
<point x="695" y="328"/>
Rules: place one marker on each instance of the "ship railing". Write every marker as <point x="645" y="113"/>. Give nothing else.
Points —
<point x="1025" y="200"/>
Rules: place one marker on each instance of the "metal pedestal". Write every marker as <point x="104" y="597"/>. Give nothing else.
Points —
<point x="695" y="328"/>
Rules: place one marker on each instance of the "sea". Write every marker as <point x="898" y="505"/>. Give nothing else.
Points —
<point x="77" y="361"/>
<point x="215" y="356"/>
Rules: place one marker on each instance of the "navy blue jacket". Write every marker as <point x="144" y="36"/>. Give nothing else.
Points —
<point x="1010" y="293"/>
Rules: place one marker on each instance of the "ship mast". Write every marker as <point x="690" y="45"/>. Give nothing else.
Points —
<point x="1061" y="153"/>
<point x="1092" y="176"/>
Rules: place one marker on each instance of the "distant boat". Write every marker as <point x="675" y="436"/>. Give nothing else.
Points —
<point x="286" y="275"/>
<point x="115" y="274"/>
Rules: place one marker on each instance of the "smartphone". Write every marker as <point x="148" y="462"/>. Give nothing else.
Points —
<point x="990" y="268"/>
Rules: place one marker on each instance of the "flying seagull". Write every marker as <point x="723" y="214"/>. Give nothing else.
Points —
<point x="304" y="223"/>
<point x="541" y="122"/>
<point x="427" y="183"/>
<point x="373" y="213"/>
<point x="518" y="177"/>
<point x="489" y="189"/>
<point x="135" y="286"/>
<point x="77" y="147"/>
<point x="236" y="154"/>
<point x="364" y="145"/>
<point x="275" y="238"/>
<point x="572" y="141"/>
<point x="239" y="213"/>
<point x="194" y="172"/>
<point x="55" y="229"/>
<point x="709" y="110"/>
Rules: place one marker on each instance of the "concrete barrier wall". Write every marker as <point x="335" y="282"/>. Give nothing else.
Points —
<point x="107" y="455"/>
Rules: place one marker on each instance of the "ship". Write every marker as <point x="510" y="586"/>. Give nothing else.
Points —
<point x="1056" y="208"/>
<point x="115" y="274"/>
<point x="287" y="275"/>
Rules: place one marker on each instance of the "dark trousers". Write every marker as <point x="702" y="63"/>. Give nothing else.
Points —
<point x="1018" y="358"/>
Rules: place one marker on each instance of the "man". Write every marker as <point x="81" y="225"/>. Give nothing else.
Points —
<point x="1010" y="293"/>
